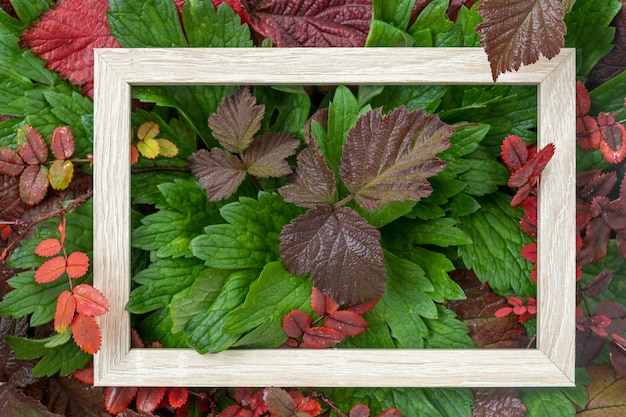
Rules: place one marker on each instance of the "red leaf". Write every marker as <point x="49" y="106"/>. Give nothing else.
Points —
<point x="612" y="145"/>
<point x="599" y="284"/>
<point x="62" y="143"/>
<point x="364" y="307"/>
<point x="295" y="323"/>
<point x="77" y="264"/>
<point x="66" y="36"/>
<point x="236" y="411"/>
<point x="321" y="303"/>
<point x="360" y="410"/>
<point x="117" y="399"/>
<point x="50" y="270"/>
<point x="305" y="405"/>
<point x="346" y="322"/>
<point x="10" y="162"/>
<point x="315" y="23"/>
<point x="48" y="247"/>
<point x="33" y="184"/>
<point x="583" y="101"/>
<point x="65" y="309"/>
<point x="514" y="152"/>
<point x="177" y="397"/>
<point x="236" y="6"/>
<point x="588" y="134"/>
<point x="390" y="412"/>
<point x="85" y="375"/>
<point x="86" y="333"/>
<point x="321" y="337"/>
<point x="517" y="32"/>
<point x="148" y="398"/>
<point x="89" y="301"/>
<point x="31" y="146"/>
<point x="529" y="173"/>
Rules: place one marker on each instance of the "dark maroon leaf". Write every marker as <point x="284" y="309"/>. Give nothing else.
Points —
<point x="65" y="38"/>
<point x="11" y="206"/>
<point x="243" y="395"/>
<point x="295" y="323"/>
<point x="31" y="146"/>
<point x="615" y="312"/>
<point x="388" y="158"/>
<point x="529" y="172"/>
<point x="588" y="346"/>
<point x="514" y="152"/>
<point x="9" y="365"/>
<point x="219" y="172"/>
<point x="148" y="398"/>
<point x="117" y="399"/>
<point x="360" y="410"/>
<point x="499" y="402"/>
<point x="347" y="322"/>
<point x="340" y="249"/>
<point x="599" y="283"/>
<point x="313" y="183"/>
<point x="236" y="121"/>
<point x="614" y="62"/>
<point x="69" y="397"/>
<point x="14" y="403"/>
<point x="10" y="162"/>
<point x="267" y="154"/>
<point x="597" y="235"/>
<point x="478" y="310"/>
<point x="316" y="23"/>
<point x="600" y="184"/>
<point x="321" y="337"/>
<point x="517" y="32"/>
<point x="279" y="402"/>
<point x="583" y="101"/>
<point x="62" y="143"/>
<point x="617" y="352"/>
<point x="33" y="184"/>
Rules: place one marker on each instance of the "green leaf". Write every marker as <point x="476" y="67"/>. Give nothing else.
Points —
<point x="434" y="28"/>
<point x="413" y="97"/>
<point x="250" y="239"/>
<point x="469" y="19"/>
<point x="343" y="113"/>
<point x="161" y="281"/>
<point x="206" y="27"/>
<point x="285" y="111"/>
<point x="589" y="31"/>
<point x="206" y="331"/>
<point x="547" y="402"/>
<point x="447" y="332"/>
<point x="608" y="97"/>
<point x="180" y="218"/>
<point x="70" y="107"/>
<point x="389" y="23"/>
<point x="63" y="359"/>
<point x="385" y="34"/>
<point x="146" y="23"/>
<point x="396" y="12"/>
<point x="29" y="10"/>
<point x="157" y="327"/>
<point x="495" y="254"/>
<point x="481" y="176"/>
<point x="440" y="232"/>
<point x="275" y="293"/>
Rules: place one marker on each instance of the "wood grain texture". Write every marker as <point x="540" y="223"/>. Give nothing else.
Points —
<point x="551" y="364"/>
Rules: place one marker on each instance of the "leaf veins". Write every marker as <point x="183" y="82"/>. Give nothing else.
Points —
<point x="219" y="172"/>
<point x="340" y="249"/>
<point x="517" y="32"/>
<point x="388" y="158"/>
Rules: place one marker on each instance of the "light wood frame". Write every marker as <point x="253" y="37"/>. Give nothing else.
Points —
<point x="116" y="364"/>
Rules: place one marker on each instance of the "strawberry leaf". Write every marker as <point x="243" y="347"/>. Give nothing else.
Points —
<point x="50" y="270"/>
<point x="219" y="172"/>
<point x="148" y="398"/>
<point x="86" y="333"/>
<point x="62" y="143"/>
<point x="65" y="38"/>
<point x="89" y="301"/>
<point x="10" y="162"/>
<point x="516" y="32"/>
<point x="116" y="399"/>
<point x="236" y="121"/>
<point x="295" y="323"/>
<point x="279" y="402"/>
<point x="315" y="23"/>
<point x="77" y="264"/>
<point x="388" y="158"/>
<point x="48" y="247"/>
<point x="60" y="174"/>
<point x="266" y="155"/>
<point x="312" y="183"/>
<point x="340" y="249"/>
<point x="31" y="146"/>
<point x="66" y="307"/>
<point x="346" y="322"/>
<point x="33" y="184"/>
<point x="322" y="337"/>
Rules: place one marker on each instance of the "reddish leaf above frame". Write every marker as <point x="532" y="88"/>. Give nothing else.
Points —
<point x="550" y="364"/>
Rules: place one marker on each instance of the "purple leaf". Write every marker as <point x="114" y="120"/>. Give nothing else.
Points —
<point x="279" y="402"/>
<point x="236" y="121"/>
<point x="219" y="172"/>
<point x="316" y="23"/>
<point x="340" y="249"/>
<point x="312" y="183"/>
<point x="10" y="162"/>
<point x="267" y="153"/>
<point x="388" y="158"/>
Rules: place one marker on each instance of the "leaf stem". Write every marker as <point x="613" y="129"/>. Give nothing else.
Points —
<point x="328" y="402"/>
<point x="164" y="168"/>
<point x="344" y="201"/>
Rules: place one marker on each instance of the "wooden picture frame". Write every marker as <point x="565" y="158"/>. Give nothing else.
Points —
<point x="551" y="363"/>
